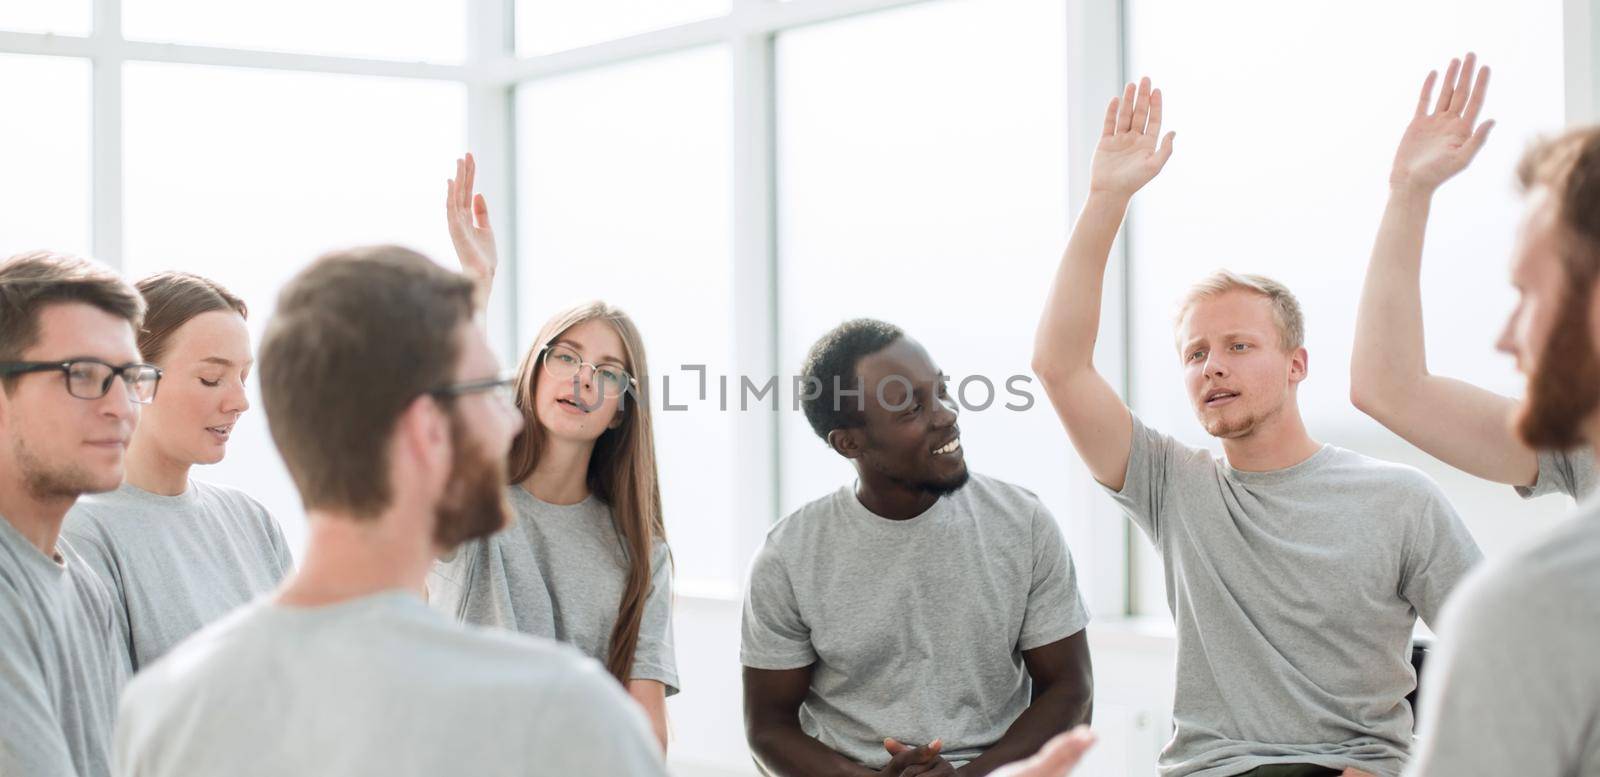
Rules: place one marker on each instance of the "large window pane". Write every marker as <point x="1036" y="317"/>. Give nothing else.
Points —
<point x="426" y="30"/>
<point x="544" y="26"/>
<point x="930" y="191"/>
<point x="44" y="154"/>
<point x="1285" y="140"/>
<point x="246" y="176"/>
<point x="623" y="195"/>
<point x="62" y="17"/>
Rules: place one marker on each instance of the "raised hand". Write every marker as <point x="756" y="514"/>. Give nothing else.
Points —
<point x="1441" y="142"/>
<point x="1128" y="154"/>
<point x="468" y="217"/>
<point x="1057" y="758"/>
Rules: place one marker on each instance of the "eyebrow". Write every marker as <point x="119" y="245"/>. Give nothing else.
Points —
<point x="604" y="358"/>
<point x="1237" y="334"/>
<point x="217" y="360"/>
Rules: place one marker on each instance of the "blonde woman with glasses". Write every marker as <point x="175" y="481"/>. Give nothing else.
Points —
<point x="585" y="560"/>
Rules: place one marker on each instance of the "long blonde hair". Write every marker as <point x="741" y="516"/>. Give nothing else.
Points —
<point x="622" y="469"/>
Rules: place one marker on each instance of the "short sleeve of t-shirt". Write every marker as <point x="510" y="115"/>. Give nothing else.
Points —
<point x="774" y="634"/>
<point x="1438" y="555"/>
<point x="655" y="658"/>
<point x="1055" y="606"/>
<point x="280" y="546"/>
<point x="1563" y="472"/>
<point x="1151" y="457"/>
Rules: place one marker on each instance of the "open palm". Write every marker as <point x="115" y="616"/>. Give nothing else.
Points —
<point x="1441" y="142"/>
<point x="1129" y="154"/>
<point x="468" y="217"/>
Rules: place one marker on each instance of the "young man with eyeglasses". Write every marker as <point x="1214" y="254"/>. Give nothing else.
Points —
<point x="71" y="383"/>
<point x="383" y="397"/>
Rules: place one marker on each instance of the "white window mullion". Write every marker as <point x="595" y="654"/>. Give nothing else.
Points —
<point x="106" y="135"/>
<point x="1095" y="46"/>
<point x="755" y="313"/>
<point x="1582" y="26"/>
<point x="491" y="138"/>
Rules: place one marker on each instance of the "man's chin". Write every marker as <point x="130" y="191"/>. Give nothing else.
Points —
<point x="75" y="484"/>
<point x="105" y="484"/>
<point x="950" y="484"/>
<point x="1224" y="430"/>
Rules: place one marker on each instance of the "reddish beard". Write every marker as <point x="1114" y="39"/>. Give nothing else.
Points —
<point x="1564" y="388"/>
<point x="474" y="503"/>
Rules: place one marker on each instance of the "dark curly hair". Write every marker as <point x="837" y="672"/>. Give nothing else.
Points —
<point x="831" y="364"/>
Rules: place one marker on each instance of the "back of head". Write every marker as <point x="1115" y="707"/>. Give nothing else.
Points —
<point x="1290" y="322"/>
<point x="830" y="368"/>
<point x="29" y="282"/>
<point x="1569" y="164"/>
<point x="356" y="337"/>
<point x="172" y="299"/>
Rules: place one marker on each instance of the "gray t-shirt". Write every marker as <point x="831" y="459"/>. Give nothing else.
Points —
<point x="558" y="571"/>
<point x="1563" y="472"/>
<point x="914" y="629"/>
<point x="59" y="668"/>
<point x="1295" y="593"/>
<point x="1513" y="685"/>
<point x="176" y="563"/>
<point x="381" y="686"/>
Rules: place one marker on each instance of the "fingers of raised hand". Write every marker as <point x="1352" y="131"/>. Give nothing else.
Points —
<point x="1427" y="92"/>
<point x="480" y="209"/>
<point x="1479" y="91"/>
<point x="1463" y="85"/>
<point x="1154" y="127"/>
<point x="1447" y="87"/>
<point x="1141" y="107"/>
<point x="1125" y="110"/>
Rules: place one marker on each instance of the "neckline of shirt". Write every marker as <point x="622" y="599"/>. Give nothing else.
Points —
<point x="397" y="599"/>
<point x="31" y="553"/>
<point x="1281" y="475"/>
<point x="523" y="494"/>
<point x="189" y="497"/>
<point x="851" y="506"/>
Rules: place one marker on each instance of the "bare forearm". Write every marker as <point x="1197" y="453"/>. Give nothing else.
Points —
<point x="652" y="696"/>
<point x="482" y="289"/>
<point x="1459" y="423"/>
<point x="1071" y="321"/>
<point x="1389" y="357"/>
<point x="1052" y="712"/>
<point x="785" y="750"/>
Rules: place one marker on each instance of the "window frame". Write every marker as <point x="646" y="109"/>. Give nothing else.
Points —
<point x="1096" y="43"/>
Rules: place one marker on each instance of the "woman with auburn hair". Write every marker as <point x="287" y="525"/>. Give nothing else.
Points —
<point x="585" y="560"/>
<point x="176" y="552"/>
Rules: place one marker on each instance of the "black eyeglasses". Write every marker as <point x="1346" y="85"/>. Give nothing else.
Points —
<point x="502" y="386"/>
<point x="91" y="378"/>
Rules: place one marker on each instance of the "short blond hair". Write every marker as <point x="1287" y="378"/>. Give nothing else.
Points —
<point x="1291" y="323"/>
